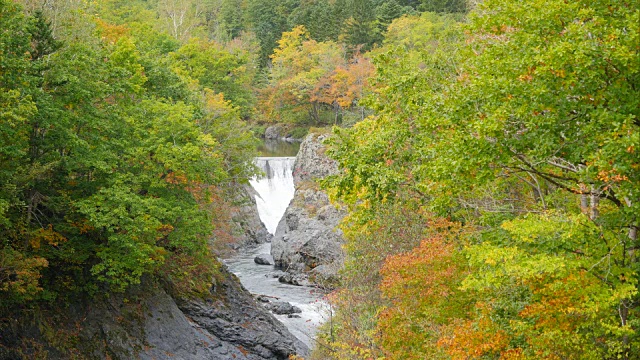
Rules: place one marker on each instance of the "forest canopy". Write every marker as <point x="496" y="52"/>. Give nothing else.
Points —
<point x="114" y="144"/>
<point x="500" y="176"/>
<point x="488" y="155"/>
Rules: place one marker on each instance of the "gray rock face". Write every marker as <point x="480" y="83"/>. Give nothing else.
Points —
<point x="275" y="274"/>
<point x="168" y="331"/>
<point x="272" y="132"/>
<point x="248" y="229"/>
<point x="294" y="279"/>
<point x="234" y="317"/>
<point x="307" y="240"/>
<point x="147" y="323"/>
<point x="311" y="161"/>
<point x="263" y="259"/>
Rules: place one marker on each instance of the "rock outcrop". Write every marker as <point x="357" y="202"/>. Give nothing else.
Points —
<point x="263" y="259"/>
<point x="248" y="228"/>
<point x="282" y="308"/>
<point x="147" y="323"/>
<point x="311" y="162"/>
<point x="234" y="317"/>
<point x="307" y="239"/>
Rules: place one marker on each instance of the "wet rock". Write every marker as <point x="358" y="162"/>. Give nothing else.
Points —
<point x="275" y="274"/>
<point x="263" y="298"/>
<point x="293" y="316"/>
<point x="233" y="317"/>
<point x="263" y="259"/>
<point x="294" y="279"/>
<point x="282" y="308"/>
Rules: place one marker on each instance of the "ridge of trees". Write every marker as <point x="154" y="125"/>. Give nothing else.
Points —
<point x="494" y="199"/>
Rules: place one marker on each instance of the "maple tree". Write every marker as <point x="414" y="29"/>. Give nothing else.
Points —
<point x="345" y="86"/>
<point x="310" y="77"/>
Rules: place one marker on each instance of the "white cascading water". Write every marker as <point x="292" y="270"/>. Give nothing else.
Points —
<point x="275" y="190"/>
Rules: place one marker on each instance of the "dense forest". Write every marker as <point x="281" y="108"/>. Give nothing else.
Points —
<point x="495" y="193"/>
<point x="488" y="154"/>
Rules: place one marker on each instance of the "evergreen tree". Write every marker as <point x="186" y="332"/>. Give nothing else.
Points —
<point x="359" y="30"/>
<point x="232" y="17"/>
<point x="444" y="6"/>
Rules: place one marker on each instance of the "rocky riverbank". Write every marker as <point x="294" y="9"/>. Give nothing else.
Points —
<point x="148" y="323"/>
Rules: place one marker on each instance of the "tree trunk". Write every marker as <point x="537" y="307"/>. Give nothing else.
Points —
<point x="584" y="200"/>
<point x="593" y="205"/>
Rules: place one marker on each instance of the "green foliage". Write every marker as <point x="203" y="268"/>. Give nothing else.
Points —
<point x="387" y="140"/>
<point x="322" y="19"/>
<point x="444" y="6"/>
<point x="268" y="20"/>
<point x="112" y="150"/>
<point x="359" y="30"/>
<point x="232" y="17"/>
<point x="215" y="68"/>
<point x="522" y="125"/>
<point x="299" y="132"/>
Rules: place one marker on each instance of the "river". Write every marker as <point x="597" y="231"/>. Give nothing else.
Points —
<point x="275" y="191"/>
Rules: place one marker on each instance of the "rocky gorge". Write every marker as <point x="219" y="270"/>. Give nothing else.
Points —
<point x="147" y="322"/>
<point x="231" y="321"/>
<point x="150" y="321"/>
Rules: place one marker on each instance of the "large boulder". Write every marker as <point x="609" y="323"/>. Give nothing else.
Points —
<point x="273" y="132"/>
<point x="263" y="259"/>
<point x="293" y="279"/>
<point x="282" y="308"/>
<point x="307" y="239"/>
<point x="311" y="162"/>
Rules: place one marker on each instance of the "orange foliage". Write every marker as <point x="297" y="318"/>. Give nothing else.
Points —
<point x="560" y="310"/>
<point x="346" y="84"/>
<point x="111" y="33"/>
<point x="422" y="286"/>
<point x="472" y="339"/>
<point x="549" y="324"/>
<point x="20" y="274"/>
<point x="83" y="226"/>
<point x="46" y="235"/>
<point x="176" y="178"/>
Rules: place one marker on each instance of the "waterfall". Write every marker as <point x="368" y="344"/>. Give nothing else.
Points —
<point x="275" y="190"/>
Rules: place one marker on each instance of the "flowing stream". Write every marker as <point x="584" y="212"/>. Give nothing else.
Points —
<point x="275" y="191"/>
